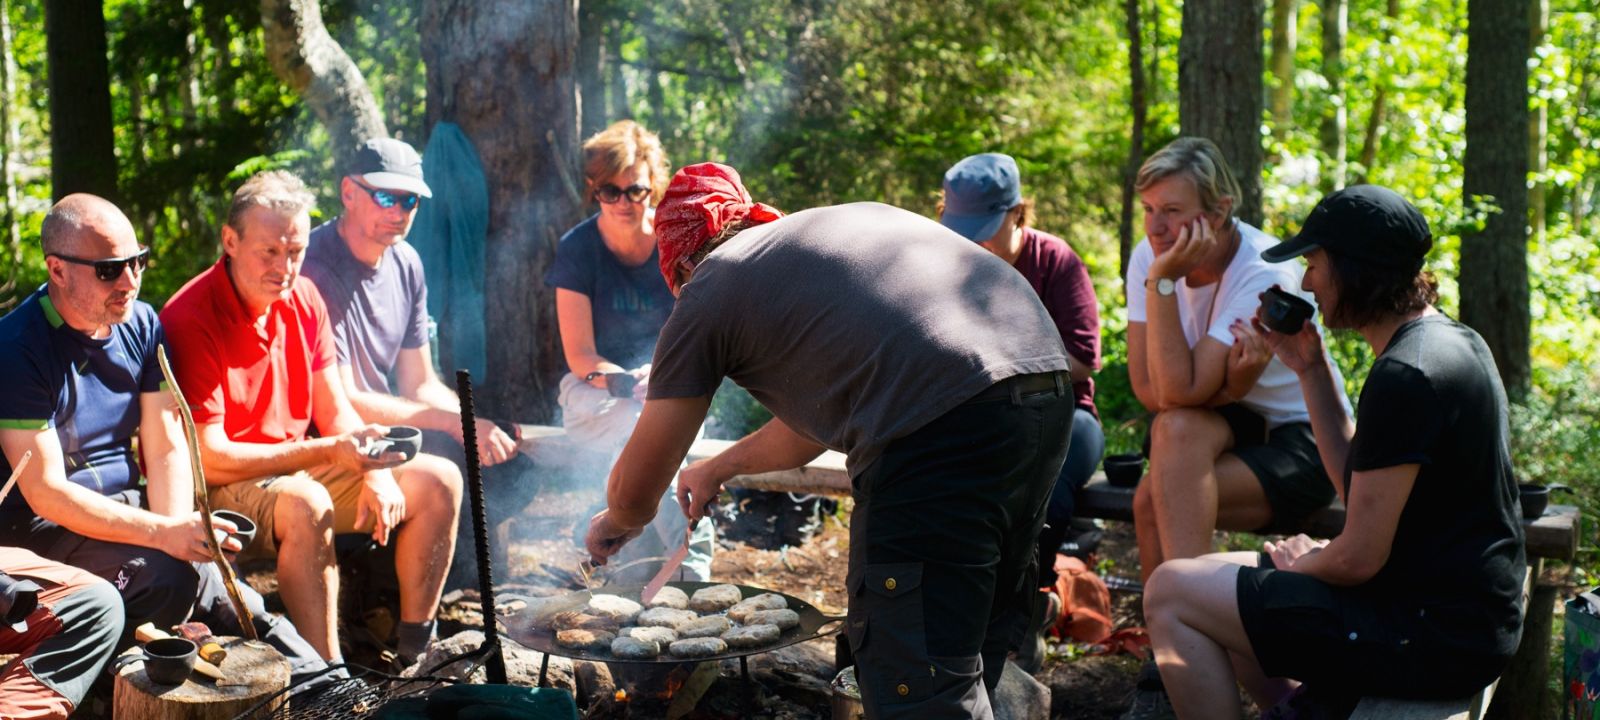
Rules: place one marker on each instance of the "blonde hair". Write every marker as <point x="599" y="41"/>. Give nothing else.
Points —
<point x="1201" y="161"/>
<point x="280" y="191"/>
<point x="619" y="147"/>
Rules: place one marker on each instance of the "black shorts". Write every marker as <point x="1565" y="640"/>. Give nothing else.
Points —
<point x="1284" y="460"/>
<point x="1360" y="640"/>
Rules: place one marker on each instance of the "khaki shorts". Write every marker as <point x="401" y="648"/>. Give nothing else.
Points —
<point x="257" y="500"/>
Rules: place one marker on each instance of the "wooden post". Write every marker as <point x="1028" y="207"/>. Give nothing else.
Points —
<point x="252" y="671"/>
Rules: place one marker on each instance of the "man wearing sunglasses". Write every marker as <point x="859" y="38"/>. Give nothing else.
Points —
<point x="256" y="358"/>
<point x="82" y="383"/>
<point x="373" y="283"/>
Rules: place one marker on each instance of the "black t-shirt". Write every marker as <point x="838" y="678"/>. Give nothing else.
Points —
<point x="1434" y="398"/>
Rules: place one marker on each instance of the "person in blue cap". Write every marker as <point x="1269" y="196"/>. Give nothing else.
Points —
<point x="1420" y="597"/>
<point x="982" y="201"/>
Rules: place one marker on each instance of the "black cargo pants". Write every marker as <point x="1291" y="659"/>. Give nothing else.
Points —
<point x="943" y="566"/>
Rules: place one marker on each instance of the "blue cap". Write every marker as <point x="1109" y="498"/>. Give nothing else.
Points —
<point x="978" y="191"/>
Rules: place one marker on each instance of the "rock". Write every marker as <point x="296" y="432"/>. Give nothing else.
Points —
<point x="1020" y="697"/>
<point x="522" y="664"/>
<point x="594" y="682"/>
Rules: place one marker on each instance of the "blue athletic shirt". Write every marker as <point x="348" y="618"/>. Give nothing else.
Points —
<point x="87" y="389"/>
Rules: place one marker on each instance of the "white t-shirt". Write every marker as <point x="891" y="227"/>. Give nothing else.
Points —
<point x="1209" y="310"/>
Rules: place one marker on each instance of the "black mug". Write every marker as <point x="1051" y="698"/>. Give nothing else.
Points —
<point x="1284" y="312"/>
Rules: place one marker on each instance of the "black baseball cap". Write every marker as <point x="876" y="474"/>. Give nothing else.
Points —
<point x="1370" y="223"/>
<point x="389" y="164"/>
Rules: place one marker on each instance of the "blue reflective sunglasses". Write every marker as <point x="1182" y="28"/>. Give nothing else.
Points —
<point x="387" y="199"/>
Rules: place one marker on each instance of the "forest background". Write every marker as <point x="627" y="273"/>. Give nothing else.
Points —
<point x="826" y="102"/>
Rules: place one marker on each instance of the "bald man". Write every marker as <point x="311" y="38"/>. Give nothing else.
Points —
<point x="83" y="382"/>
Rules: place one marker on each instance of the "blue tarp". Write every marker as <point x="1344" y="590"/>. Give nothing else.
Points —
<point x="450" y="233"/>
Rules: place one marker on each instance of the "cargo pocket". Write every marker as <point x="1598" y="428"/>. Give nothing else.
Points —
<point x="887" y="635"/>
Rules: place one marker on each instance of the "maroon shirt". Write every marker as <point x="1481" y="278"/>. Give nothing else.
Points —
<point x="1058" y="275"/>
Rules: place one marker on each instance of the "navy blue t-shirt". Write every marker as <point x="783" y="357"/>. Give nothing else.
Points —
<point x="86" y="389"/>
<point x="629" y="304"/>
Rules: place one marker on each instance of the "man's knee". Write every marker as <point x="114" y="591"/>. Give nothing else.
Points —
<point x="302" y="510"/>
<point x="431" y="483"/>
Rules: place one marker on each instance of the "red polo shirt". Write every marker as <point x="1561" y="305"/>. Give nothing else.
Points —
<point x="254" y="379"/>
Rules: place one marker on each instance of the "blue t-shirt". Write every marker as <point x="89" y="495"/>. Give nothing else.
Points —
<point x="86" y="389"/>
<point x="629" y="304"/>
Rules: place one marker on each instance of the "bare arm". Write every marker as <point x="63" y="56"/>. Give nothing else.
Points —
<point x="775" y="446"/>
<point x="1303" y="353"/>
<point x="45" y="486"/>
<point x="659" y="442"/>
<point x="1181" y="376"/>
<point x="166" y="456"/>
<point x="1079" y="369"/>
<point x="575" y="317"/>
<point x="228" y="462"/>
<point x="1139" y="368"/>
<point x="1372" y="515"/>
<point x="409" y="408"/>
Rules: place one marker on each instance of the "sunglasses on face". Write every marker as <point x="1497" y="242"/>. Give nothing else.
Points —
<point x="387" y="199"/>
<point x="609" y="193"/>
<point x="111" y="269"/>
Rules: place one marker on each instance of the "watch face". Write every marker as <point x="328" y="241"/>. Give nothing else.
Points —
<point x="1166" y="286"/>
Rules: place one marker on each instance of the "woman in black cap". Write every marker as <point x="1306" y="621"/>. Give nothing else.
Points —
<point x="1420" y="596"/>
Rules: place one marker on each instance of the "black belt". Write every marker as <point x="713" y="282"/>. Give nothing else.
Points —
<point x="1014" y="387"/>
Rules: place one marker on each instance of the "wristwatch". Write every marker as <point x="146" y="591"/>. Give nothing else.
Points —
<point x="591" y="376"/>
<point x="1164" y="286"/>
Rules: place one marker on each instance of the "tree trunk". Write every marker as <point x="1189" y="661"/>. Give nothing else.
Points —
<point x="523" y="120"/>
<point x="308" y="60"/>
<point x="82" y="152"/>
<point x="1539" y="20"/>
<point x="1380" y="101"/>
<point x="1494" y="261"/>
<point x="591" y="67"/>
<point x="1220" y="88"/>
<point x="617" y="107"/>
<point x="8" y="146"/>
<point x="1285" y="17"/>
<point x="1334" y="24"/>
<point x="1136" y="136"/>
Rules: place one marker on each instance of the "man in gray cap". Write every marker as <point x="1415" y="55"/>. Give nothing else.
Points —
<point x="372" y="281"/>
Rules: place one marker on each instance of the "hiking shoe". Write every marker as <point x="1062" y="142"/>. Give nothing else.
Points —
<point x="1030" y="655"/>
<point x="1150" y="704"/>
<point x="1149" y="701"/>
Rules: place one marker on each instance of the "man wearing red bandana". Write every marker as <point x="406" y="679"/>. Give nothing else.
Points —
<point x="926" y="360"/>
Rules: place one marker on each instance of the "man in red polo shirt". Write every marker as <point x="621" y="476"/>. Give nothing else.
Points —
<point x="254" y="355"/>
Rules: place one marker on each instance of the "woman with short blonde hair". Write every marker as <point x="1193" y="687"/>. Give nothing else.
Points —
<point x="611" y="302"/>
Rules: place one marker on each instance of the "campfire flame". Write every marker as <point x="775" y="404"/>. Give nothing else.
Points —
<point x="674" y="682"/>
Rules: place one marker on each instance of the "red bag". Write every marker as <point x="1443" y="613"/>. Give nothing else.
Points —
<point x="1085" y="602"/>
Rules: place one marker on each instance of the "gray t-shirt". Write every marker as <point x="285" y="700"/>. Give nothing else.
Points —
<point x="855" y="324"/>
<point x="375" y="312"/>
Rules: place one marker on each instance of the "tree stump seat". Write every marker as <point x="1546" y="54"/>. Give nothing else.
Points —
<point x="252" y="671"/>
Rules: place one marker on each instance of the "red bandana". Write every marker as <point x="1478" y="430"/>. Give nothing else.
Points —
<point x="702" y="200"/>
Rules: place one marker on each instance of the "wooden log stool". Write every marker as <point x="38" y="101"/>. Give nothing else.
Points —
<point x="252" y="671"/>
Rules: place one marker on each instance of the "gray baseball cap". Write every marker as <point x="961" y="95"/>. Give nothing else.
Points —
<point x="389" y="164"/>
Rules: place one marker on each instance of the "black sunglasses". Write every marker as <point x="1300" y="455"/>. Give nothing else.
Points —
<point x="111" y="269"/>
<point x="387" y="199"/>
<point x="609" y="193"/>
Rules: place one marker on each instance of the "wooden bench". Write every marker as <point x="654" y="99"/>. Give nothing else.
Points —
<point x="1552" y="536"/>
